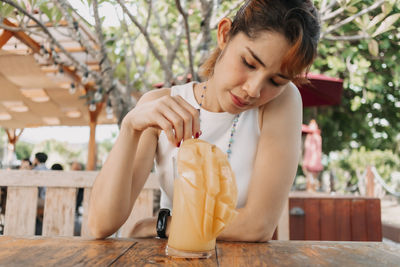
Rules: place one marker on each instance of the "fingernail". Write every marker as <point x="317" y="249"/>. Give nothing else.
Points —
<point x="179" y="144"/>
<point x="197" y="135"/>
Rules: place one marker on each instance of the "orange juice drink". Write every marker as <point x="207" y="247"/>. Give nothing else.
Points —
<point x="185" y="239"/>
<point x="204" y="201"/>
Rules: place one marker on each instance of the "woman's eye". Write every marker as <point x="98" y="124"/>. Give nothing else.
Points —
<point x="247" y="64"/>
<point x="274" y="83"/>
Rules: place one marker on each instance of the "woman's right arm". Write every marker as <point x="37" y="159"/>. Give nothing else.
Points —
<point x="129" y="163"/>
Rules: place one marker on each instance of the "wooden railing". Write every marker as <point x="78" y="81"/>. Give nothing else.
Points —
<point x="60" y="202"/>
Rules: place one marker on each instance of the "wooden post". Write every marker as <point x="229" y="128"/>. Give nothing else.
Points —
<point x="370" y="183"/>
<point x="92" y="150"/>
<point x="13" y="137"/>
<point x="5" y="37"/>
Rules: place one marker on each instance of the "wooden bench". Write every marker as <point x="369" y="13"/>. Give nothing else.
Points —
<point x="318" y="216"/>
<point x="60" y="203"/>
<point x="391" y="231"/>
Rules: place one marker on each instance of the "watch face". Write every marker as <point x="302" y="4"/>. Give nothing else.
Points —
<point x="162" y="222"/>
<point x="159" y="225"/>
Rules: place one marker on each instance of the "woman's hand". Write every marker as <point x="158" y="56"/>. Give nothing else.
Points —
<point x="178" y="119"/>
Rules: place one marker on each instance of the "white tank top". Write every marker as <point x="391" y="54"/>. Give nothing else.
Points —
<point x="216" y="129"/>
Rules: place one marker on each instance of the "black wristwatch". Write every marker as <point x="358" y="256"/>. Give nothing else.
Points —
<point x="162" y="222"/>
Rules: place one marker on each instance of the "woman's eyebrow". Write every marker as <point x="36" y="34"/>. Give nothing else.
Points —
<point x="262" y="63"/>
<point x="255" y="56"/>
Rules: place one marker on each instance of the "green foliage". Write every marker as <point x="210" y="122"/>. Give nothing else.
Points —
<point x="351" y="164"/>
<point x="5" y="10"/>
<point x="369" y="114"/>
<point x="23" y="150"/>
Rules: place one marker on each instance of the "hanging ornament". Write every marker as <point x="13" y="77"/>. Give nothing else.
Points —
<point x="72" y="88"/>
<point x="42" y="49"/>
<point x="85" y="77"/>
<point x="109" y="110"/>
<point x="92" y="106"/>
<point x="98" y="95"/>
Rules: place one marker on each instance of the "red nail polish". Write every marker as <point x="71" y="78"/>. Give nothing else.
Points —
<point x="179" y="144"/>
<point x="197" y="135"/>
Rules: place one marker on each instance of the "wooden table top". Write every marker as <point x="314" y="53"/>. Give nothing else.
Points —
<point x="75" y="251"/>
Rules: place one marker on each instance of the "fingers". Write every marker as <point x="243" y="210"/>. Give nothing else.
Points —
<point x="194" y="127"/>
<point x="183" y="117"/>
<point x="166" y="126"/>
<point x="176" y="123"/>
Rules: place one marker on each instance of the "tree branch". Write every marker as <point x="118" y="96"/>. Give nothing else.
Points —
<point x="148" y="15"/>
<point x="330" y="5"/>
<point x="349" y="19"/>
<point x="21" y="29"/>
<point x="347" y="38"/>
<point x="164" y="37"/>
<point x="167" y="71"/>
<point x="73" y="26"/>
<point x="187" y="30"/>
<point x="226" y="14"/>
<point x="332" y="14"/>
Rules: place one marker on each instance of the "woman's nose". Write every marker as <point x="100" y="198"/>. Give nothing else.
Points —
<point x="253" y="87"/>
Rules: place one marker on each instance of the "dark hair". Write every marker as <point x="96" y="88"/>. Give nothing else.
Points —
<point x="57" y="167"/>
<point x="297" y="20"/>
<point x="28" y="160"/>
<point x="41" y="157"/>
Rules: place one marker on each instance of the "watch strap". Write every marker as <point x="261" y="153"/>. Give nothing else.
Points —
<point x="162" y="219"/>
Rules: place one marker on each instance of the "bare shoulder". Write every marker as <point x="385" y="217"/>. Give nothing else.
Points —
<point x="285" y="111"/>
<point x="290" y="99"/>
<point x="154" y="94"/>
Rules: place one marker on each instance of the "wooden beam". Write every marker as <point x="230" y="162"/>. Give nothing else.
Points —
<point x="5" y="37"/>
<point x="52" y="69"/>
<point x="49" y="24"/>
<point x="92" y="149"/>
<point x="23" y="37"/>
<point x="68" y="49"/>
<point x="72" y="49"/>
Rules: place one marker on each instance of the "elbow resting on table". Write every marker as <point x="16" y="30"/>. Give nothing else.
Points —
<point x="260" y="233"/>
<point x="97" y="229"/>
<point x="250" y="231"/>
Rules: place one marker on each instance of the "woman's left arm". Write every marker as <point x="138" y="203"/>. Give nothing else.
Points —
<point x="274" y="170"/>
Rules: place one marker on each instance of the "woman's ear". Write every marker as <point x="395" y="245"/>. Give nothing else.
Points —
<point x="224" y="26"/>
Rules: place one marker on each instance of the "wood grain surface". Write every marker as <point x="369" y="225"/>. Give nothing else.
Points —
<point x="151" y="252"/>
<point x="307" y="253"/>
<point x="41" y="251"/>
<point x="59" y="211"/>
<point x="20" y="217"/>
<point x="76" y="251"/>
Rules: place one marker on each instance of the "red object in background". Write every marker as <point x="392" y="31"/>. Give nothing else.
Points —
<point x="312" y="148"/>
<point x="321" y="91"/>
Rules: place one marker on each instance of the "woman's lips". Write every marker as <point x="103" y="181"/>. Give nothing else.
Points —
<point x="238" y="102"/>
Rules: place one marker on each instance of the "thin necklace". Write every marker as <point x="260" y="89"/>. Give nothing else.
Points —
<point x="233" y="129"/>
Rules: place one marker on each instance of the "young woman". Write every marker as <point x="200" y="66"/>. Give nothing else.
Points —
<point x="248" y="106"/>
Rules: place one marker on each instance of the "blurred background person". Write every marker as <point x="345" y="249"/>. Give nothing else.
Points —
<point x="40" y="165"/>
<point x="57" y="167"/>
<point x="26" y="164"/>
<point x="39" y="162"/>
<point x="312" y="165"/>
<point x="77" y="166"/>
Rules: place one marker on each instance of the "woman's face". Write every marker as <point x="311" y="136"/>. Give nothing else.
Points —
<point x="248" y="74"/>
